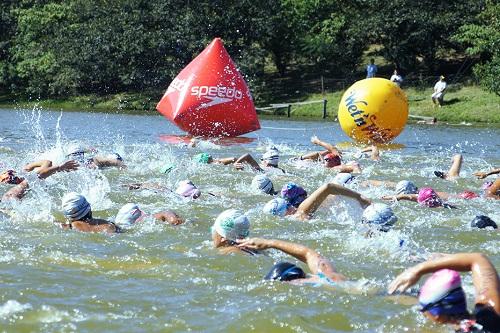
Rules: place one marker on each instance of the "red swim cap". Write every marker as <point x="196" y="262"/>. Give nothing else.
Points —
<point x="468" y="195"/>
<point x="332" y="160"/>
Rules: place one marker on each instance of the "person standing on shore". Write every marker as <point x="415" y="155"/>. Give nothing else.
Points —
<point x="371" y="69"/>
<point x="439" y="90"/>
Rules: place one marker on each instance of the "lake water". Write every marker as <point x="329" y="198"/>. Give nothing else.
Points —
<point x="160" y="278"/>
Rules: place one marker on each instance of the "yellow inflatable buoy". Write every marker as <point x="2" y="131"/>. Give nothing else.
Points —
<point x="373" y="110"/>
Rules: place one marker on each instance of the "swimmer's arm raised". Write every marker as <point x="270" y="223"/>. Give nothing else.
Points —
<point x="247" y="158"/>
<point x="37" y="164"/>
<point x="484" y="275"/>
<point x="374" y="152"/>
<point x="45" y="172"/>
<point x="481" y="175"/>
<point x="331" y="148"/>
<point x="312" y="202"/>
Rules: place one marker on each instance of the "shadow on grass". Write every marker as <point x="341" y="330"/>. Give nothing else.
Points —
<point x="451" y="101"/>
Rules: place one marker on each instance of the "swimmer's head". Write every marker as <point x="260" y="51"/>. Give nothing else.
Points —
<point x="263" y="183"/>
<point x="116" y="156"/>
<point x="75" y="151"/>
<point x="271" y="156"/>
<point x="442" y="294"/>
<point x="9" y="177"/>
<point x="380" y="215"/>
<point x="128" y="215"/>
<point x="487" y="185"/>
<point x="75" y="206"/>
<point x="285" y="271"/>
<point x="232" y="224"/>
<point x="332" y="160"/>
<point x="428" y="197"/>
<point x="276" y="206"/>
<point x="343" y="178"/>
<point x="187" y="189"/>
<point x="482" y="221"/>
<point x="203" y="158"/>
<point x="406" y="187"/>
<point x="468" y="195"/>
<point x="293" y="194"/>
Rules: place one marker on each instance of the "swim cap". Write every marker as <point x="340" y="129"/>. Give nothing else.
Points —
<point x="232" y="224"/>
<point x="406" y="187"/>
<point x="263" y="183"/>
<point x="428" y="197"/>
<point x="468" y="195"/>
<point x="343" y="178"/>
<point x="276" y="206"/>
<point x="293" y="194"/>
<point x="442" y="294"/>
<point x="271" y="156"/>
<point x="10" y="177"/>
<point x="116" y="156"/>
<point x="285" y="271"/>
<point x="187" y="189"/>
<point x="380" y="215"/>
<point x="75" y="149"/>
<point x="332" y="160"/>
<point x="482" y="221"/>
<point x="203" y="158"/>
<point x="75" y="206"/>
<point x="128" y="215"/>
<point x="487" y="185"/>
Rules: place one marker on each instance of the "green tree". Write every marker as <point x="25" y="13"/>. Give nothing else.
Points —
<point x="483" y="40"/>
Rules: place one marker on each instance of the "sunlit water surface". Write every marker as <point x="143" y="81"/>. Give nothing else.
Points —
<point x="159" y="278"/>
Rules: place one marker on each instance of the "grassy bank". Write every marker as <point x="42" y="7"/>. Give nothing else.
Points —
<point x="462" y="104"/>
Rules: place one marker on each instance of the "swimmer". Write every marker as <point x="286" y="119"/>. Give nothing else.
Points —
<point x="321" y="268"/>
<point x="231" y="225"/>
<point x="270" y="160"/>
<point x="426" y="197"/>
<point x="374" y="152"/>
<point x="331" y="157"/>
<point x="482" y="221"/>
<point x="77" y="153"/>
<point x="442" y="298"/>
<point x="492" y="189"/>
<point x="432" y="121"/>
<point x="454" y="171"/>
<point x="205" y="158"/>
<point x="43" y="169"/>
<point x="482" y="175"/>
<point x="130" y="214"/>
<point x="263" y="184"/>
<point x="308" y="206"/>
<point x="187" y="189"/>
<point x="79" y="213"/>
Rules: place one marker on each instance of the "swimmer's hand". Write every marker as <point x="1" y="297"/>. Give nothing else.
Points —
<point x="404" y="280"/>
<point x="390" y="197"/>
<point x="314" y="139"/>
<point x="67" y="166"/>
<point x="239" y="166"/>
<point x="254" y="243"/>
<point x="481" y="175"/>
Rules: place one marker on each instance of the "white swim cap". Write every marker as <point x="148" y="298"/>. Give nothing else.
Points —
<point x="379" y="214"/>
<point x="276" y="206"/>
<point x="128" y="215"/>
<point x="271" y="156"/>
<point x="75" y="206"/>
<point x="262" y="183"/>
<point x="343" y="178"/>
<point x="232" y="224"/>
<point x="406" y="187"/>
<point x="187" y="189"/>
<point x="75" y="149"/>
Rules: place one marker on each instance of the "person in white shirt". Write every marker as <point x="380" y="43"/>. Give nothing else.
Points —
<point x="396" y="78"/>
<point x="439" y="90"/>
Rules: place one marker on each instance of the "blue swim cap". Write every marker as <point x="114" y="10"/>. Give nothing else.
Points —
<point x="285" y="271"/>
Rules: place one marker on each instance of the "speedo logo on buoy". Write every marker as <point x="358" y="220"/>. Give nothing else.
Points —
<point x="216" y="94"/>
<point x="176" y="85"/>
<point x="353" y="109"/>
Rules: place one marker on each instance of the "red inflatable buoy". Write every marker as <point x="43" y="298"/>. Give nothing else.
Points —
<point x="209" y="97"/>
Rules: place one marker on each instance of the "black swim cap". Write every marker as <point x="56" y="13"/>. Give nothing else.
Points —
<point x="285" y="271"/>
<point x="481" y="221"/>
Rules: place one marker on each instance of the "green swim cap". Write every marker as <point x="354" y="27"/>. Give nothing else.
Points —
<point x="167" y="168"/>
<point x="202" y="158"/>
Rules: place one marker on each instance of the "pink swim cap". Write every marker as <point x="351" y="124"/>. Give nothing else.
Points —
<point x="438" y="285"/>
<point x="428" y="197"/>
<point x="187" y="189"/>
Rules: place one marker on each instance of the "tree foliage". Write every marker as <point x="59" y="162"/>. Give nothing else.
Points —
<point x="72" y="47"/>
